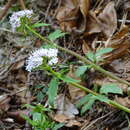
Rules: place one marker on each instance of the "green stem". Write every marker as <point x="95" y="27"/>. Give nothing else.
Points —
<point x="110" y="102"/>
<point x="83" y="59"/>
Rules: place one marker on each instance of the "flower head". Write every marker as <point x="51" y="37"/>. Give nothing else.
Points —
<point x="36" y="58"/>
<point x="15" y="18"/>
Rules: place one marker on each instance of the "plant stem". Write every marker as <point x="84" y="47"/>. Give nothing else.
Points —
<point x="110" y="102"/>
<point x="83" y="59"/>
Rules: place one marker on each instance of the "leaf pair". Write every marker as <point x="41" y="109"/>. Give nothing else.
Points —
<point x="87" y="101"/>
<point x="97" y="56"/>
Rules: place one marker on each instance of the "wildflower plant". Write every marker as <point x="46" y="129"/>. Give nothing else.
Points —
<point x="19" y="18"/>
<point x="45" y="58"/>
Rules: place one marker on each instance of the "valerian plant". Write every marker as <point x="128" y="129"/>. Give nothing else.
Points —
<point x="46" y="58"/>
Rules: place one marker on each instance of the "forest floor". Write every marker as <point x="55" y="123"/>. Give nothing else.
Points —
<point x="90" y="26"/>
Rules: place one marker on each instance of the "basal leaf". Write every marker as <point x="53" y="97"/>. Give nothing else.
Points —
<point x="52" y="91"/>
<point x="110" y="88"/>
<point x="80" y="71"/>
<point x="56" y="34"/>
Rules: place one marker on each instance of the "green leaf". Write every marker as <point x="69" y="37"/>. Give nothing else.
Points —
<point x="101" y="98"/>
<point x="52" y="91"/>
<point x="83" y="100"/>
<point x="33" y="123"/>
<point x="103" y="51"/>
<point x="88" y="106"/>
<point x="81" y="70"/>
<point x="90" y="55"/>
<point x="56" y="34"/>
<point x="69" y="79"/>
<point x="110" y="88"/>
<point x="57" y="126"/>
<point x="40" y="96"/>
<point x="36" y="25"/>
<point x="37" y="117"/>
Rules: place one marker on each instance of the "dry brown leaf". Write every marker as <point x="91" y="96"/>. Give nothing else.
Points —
<point x="67" y="14"/>
<point x="66" y="111"/>
<point x="18" y="65"/>
<point x="75" y="93"/>
<point x="4" y="103"/>
<point x="73" y="123"/>
<point x="65" y="107"/>
<point x="108" y="19"/>
<point x="120" y="43"/>
<point x="123" y="101"/>
<point x="92" y="25"/>
<point x="84" y="9"/>
<point x="25" y="95"/>
<point x="85" y="47"/>
<point x="71" y="13"/>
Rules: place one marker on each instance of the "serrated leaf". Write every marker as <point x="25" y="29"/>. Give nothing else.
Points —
<point x="83" y="100"/>
<point x="103" y="51"/>
<point x="36" y="25"/>
<point x="56" y="34"/>
<point x="111" y="88"/>
<point x="87" y="106"/>
<point x="81" y="70"/>
<point x="52" y="91"/>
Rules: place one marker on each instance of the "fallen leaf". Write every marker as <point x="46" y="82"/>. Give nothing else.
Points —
<point x="4" y="103"/>
<point x="65" y="107"/>
<point x="108" y="19"/>
<point x="119" y="43"/>
<point x="123" y="101"/>
<point x="92" y="25"/>
<point x="18" y="65"/>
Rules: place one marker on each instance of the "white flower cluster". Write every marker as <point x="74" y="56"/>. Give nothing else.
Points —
<point x="15" y="18"/>
<point x="36" y="58"/>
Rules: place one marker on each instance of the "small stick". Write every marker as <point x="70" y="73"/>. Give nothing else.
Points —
<point x="6" y="8"/>
<point x="22" y="4"/>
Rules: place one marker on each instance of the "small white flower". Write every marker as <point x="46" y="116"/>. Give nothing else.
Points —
<point x="53" y="61"/>
<point x="33" y="62"/>
<point x="52" y="52"/>
<point x="15" y="18"/>
<point x="36" y="58"/>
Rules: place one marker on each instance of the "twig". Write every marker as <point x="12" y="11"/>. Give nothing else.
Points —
<point x="93" y="122"/>
<point x="83" y="59"/>
<point x="6" y="8"/>
<point x="22" y="4"/>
